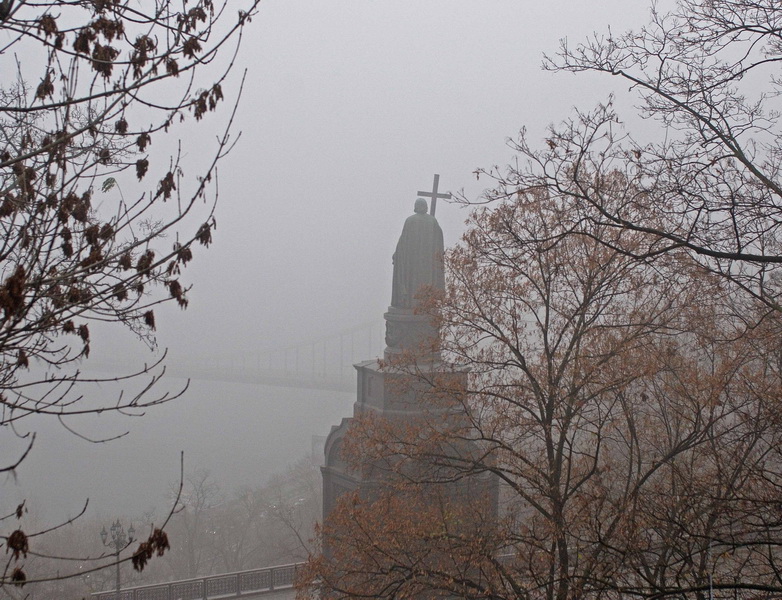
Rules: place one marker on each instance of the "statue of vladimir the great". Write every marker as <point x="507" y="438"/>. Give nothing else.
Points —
<point x="418" y="260"/>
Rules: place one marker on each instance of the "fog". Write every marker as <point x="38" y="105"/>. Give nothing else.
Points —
<point x="349" y="108"/>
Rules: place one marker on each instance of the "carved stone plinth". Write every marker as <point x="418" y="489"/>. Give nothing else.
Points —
<point x="407" y="331"/>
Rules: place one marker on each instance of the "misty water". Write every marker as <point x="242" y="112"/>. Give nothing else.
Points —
<point x="241" y="433"/>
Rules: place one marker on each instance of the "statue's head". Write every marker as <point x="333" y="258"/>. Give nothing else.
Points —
<point x="420" y="206"/>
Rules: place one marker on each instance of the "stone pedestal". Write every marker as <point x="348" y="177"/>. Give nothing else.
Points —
<point x="398" y="396"/>
<point x="408" y="331"/>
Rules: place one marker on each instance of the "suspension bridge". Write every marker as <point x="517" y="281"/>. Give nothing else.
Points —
<point x="324" y="363"/>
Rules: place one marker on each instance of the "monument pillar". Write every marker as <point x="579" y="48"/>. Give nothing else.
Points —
<point x="412" y="342"/>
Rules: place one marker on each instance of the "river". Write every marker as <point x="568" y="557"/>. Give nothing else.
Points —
<point x="241" y="433"/>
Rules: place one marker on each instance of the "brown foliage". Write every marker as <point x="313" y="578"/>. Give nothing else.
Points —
<point x="403" y="542"/>
<point x="17" y="544"/>
<point x="18" y="577"/>
<point x="628" y="408"/>
<point x="156" y="543"/>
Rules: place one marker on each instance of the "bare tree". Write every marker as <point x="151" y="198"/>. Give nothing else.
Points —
<point x="707" y="179"/>
<point x="193" y="527"/>
<point x="626" y="413"/>
<point x="211" y="532"/>
<point x="295" y="500"/>
<point x="625" y="395"/>
<point x="95" y="224"/>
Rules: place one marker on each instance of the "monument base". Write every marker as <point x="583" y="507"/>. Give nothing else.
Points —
<point x="407" y="331"/>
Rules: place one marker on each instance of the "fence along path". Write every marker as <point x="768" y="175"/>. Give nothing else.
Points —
<point x="243" y="584"/>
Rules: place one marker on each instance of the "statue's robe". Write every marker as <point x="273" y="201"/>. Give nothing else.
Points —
<point x="418" y="260"/>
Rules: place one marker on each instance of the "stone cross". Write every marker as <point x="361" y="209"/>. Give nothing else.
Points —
<point x="434" y="195"/>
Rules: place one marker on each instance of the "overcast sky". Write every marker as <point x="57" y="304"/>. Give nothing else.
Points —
<point x="350" y="107"/>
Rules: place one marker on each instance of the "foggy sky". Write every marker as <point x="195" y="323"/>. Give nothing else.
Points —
<point x="349" y="108"/>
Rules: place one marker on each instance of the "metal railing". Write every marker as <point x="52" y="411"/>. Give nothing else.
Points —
<point x="226" y="585"/>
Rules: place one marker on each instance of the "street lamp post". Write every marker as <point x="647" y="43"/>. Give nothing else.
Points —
<point x="119" y="541"/>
